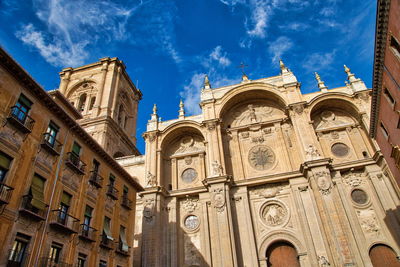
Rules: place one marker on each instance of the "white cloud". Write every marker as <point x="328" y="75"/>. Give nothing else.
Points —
<point x="191" y="94"/>
<point x="295" y="26"/>
<point x="278" y="47"/>
<point x="259" y="17"/>
<point x="220" y="56"/>
<point x="55" y="52"/>
<point x="327" y="11"/>
<point x="319" y="61"/>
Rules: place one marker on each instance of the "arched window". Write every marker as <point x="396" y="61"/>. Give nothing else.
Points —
<point x="92" y="100"/>
<point x="120" y="114"/>
<point x="282" y="254"/>
<point x="382" y="256"/>
<point x="82" y="102"/>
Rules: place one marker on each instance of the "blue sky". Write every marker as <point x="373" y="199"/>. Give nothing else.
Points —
<point x="168" y="46"/>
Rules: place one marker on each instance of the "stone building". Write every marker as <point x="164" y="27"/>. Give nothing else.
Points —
<point x="64" y="200"/>
<point x="266" y="176"/>
<point x="385" y="113"/>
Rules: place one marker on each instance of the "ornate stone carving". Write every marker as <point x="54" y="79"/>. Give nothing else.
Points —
<point x="190" y="204"/>
<point x="257" y="139"/>
<point x="353" y="178"/>
<point x="151" y="180"/>
<point x="274" y="213"/>
<point x="217" y="169"/>
<point x="368" y="221"/>
<point x="322" y="261"/>
<point x="219" y="199"/>
<point x="303" y="188"/>
<point x="245" y="134"/>
<point x="188" y="160"/>
<point x="189" y="144"/>
<point x="151" y="136"/>
<point x="148" y="211"/>
<point x="298" y="109"/>
<point x="211" y="125"/>
<point x="334" y="135"/>
<point x="324" y="182"/>
<point x="269" y="190"/>
<point x="328" y="119"/>
<point x="312" y="153"/>
<point x="261" y="157"/>
<point x="254" y="113"/>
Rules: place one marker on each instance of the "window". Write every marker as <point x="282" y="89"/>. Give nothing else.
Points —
<point x="76" y="149"/>
<point x="107" y="230"/>
<point x="21" y="109"/>
<point x="82" y="101"/>
<point x="112" y="180"/>
<point x="55" y="253"/>
<point x="389" y="96"/>
<point x="5" y="162"/>
<point x="64" y="207"/>
<point x="92" y="100"/>
<point x="51" y="134"/>
<point x="18" y="250"/>
<point x="86" y="220"/>
<point x="103" y="263"/>
<point x="125" y="192"/>
<point x="123" y="244"/>
<point x="396" y="155"/>
<point x="398" y="124"/>
<point x="36" y="194"/>
<point x="395" y="46"/>
<point x="385" y="132"/>
<point x="96" y="166"/>
<point x="81" y="260"/>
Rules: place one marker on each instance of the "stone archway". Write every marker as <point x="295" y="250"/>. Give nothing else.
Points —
<point x="282" y="254"/>
<point x="382" y="256"/>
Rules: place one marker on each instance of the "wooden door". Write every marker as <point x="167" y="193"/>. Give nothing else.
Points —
<point x="383" y="256"/>
<point x="282" y="254"/>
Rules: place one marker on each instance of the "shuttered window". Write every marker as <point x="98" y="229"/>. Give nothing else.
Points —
<point x="5" y="162"/>
<point x="76" y="149"/>
<point x="37" y="191"/>
<point x="107" y="228"/>
<point x="122" y="237"/>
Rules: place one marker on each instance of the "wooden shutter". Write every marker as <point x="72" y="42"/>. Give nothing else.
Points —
<point x="76" y="149"/>
<point x="383" y="256"/>
<point x="282" y="254"/>
<point x="37" y="190"/>
<point x="107" y="228"/>
<point x="66" y="199"/>
<point x="5" y="161"/>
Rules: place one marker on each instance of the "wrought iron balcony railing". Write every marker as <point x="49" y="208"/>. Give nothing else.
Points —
<point x="75" y="163"/>
<point x="122" y="250"/>
<point x="17" y="258"/>
<point x="112" y="192"/>
<point x="31" y="211"/>
<point x="126" y="202"/>
<point x="88" y="233"/>
<point x="95" y="179"/>
<point x="62" y="221"/>
<point x="50" y="262"/>
<point x="106" y="243"/>
<point x="51" y="144"/>
<point x="20" y="119"/>
<point x="5" y="193"/>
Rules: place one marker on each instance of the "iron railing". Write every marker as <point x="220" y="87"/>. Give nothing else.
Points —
<point x="87" y="232"/>
<point x="17" y="258"/>
<point x="32" y="211"/>
<point x="61" y="220"/>
<point x="105" y="242"/>
<point x="121" y="250"/>
<point x="112" y="192"/>
<point x="75" y="163"/>
<point x="51" y="144"/>
<point x="20" y="119"/>
<point x="5" y="193"/>
<point x="50" y="262"/>
<point x="126" y="202"/>
<point x="95" y="179"/>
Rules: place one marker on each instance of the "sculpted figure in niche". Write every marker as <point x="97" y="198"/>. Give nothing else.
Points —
<point x="217" y="169"/>
<point x="151" y="180"/>
<point x="312" y="153"/>
<point x="328" y="119"/>
<point x="187" y="144"/>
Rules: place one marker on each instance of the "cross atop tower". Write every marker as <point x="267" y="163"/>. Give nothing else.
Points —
<point x="242" y="66"/>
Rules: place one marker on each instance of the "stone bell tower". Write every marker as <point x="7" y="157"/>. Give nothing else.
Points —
<point x="108" y="101"/>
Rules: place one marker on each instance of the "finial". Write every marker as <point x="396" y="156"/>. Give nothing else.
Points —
<point x="181" y="110"/>
<point x="207" y="84"/>
<point x="244" y="77"/>
<point x="321" y="84"/>
<point x="154" y="109"/>
<point x="350" y="76"/>
<point x="284" y="69"/>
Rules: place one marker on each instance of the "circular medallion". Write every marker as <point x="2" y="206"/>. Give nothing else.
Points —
<point x="274" y="214"/>
<point x="189" y="175"/>
<point x="359" y="196"/>
<point x="261" y="157"/>
<point x="191" y="222"/>
<point x="340" y="149"/>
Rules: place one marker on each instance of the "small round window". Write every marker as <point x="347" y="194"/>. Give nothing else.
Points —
<point x="189" y="175"/>
<point x="191" y="222"/>
<point x="340" y="150"/>
<point x="359" y="196"/>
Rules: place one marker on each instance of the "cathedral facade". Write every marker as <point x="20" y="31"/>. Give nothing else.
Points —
<point x="266" y="176"/>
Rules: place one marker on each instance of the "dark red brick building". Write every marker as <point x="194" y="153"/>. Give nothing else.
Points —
<point x="385" y="112"/>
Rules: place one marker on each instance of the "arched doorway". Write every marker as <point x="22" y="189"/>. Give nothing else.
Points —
<point x="282" y="254"/>
<point x="382" y="256"/>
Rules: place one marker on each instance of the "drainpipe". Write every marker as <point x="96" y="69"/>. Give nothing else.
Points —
<point x="52" y="195"/>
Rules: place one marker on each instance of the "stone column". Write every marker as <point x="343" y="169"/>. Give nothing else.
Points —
<point x="222" y="238"/>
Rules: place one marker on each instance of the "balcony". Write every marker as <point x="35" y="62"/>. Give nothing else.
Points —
<point x="106" y="243"/>
<point x="121" y="250"/>
<point x="126" y="203"/>
<point x="95" y="179"/>
<point x="5" y="193"/>
<point x="87" y="233"/>
<point x="50" y="262"/>
<point x="75" y="163"/>
<point x="51" y="144"/>
<point x="62" y="221"/>
<point x="20" y="119"/>
<point x="112" y="192"/>
<point x="32" y="212"/>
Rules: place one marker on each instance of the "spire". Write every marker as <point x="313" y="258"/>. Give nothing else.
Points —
<point x="284" y="69"/>
<point x="244" y="77"/>
<point x="181" y="110"/>
<point x="154" y="115"/>
<point x="350" y="76"/>
<point x="207" y="84"/>
<point x="321" y="84"/>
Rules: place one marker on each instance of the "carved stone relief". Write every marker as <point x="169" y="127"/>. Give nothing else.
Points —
<point x="151" y="180"/>
<point x="219" y="199"/>
<point x="190" y="204"/>
<point x="148" y="210"/>
<point x="261" y="157"/>
<point x="328" y="119"/>
<point x="324" y="183"/>
<point x="353" y="179"/>
<point x="312" y="153"/>
<point x="188" y="144"/>
<point x="274" y="213"/>
<point x="217" y="169"/>
<point x="268" y="190"/>
<point x="368" y="221"/>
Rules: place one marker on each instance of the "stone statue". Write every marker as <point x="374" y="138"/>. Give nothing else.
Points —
<point x="217" y="169"/>
<point x="312" y="153"/>
<point x="151" y="180"/>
